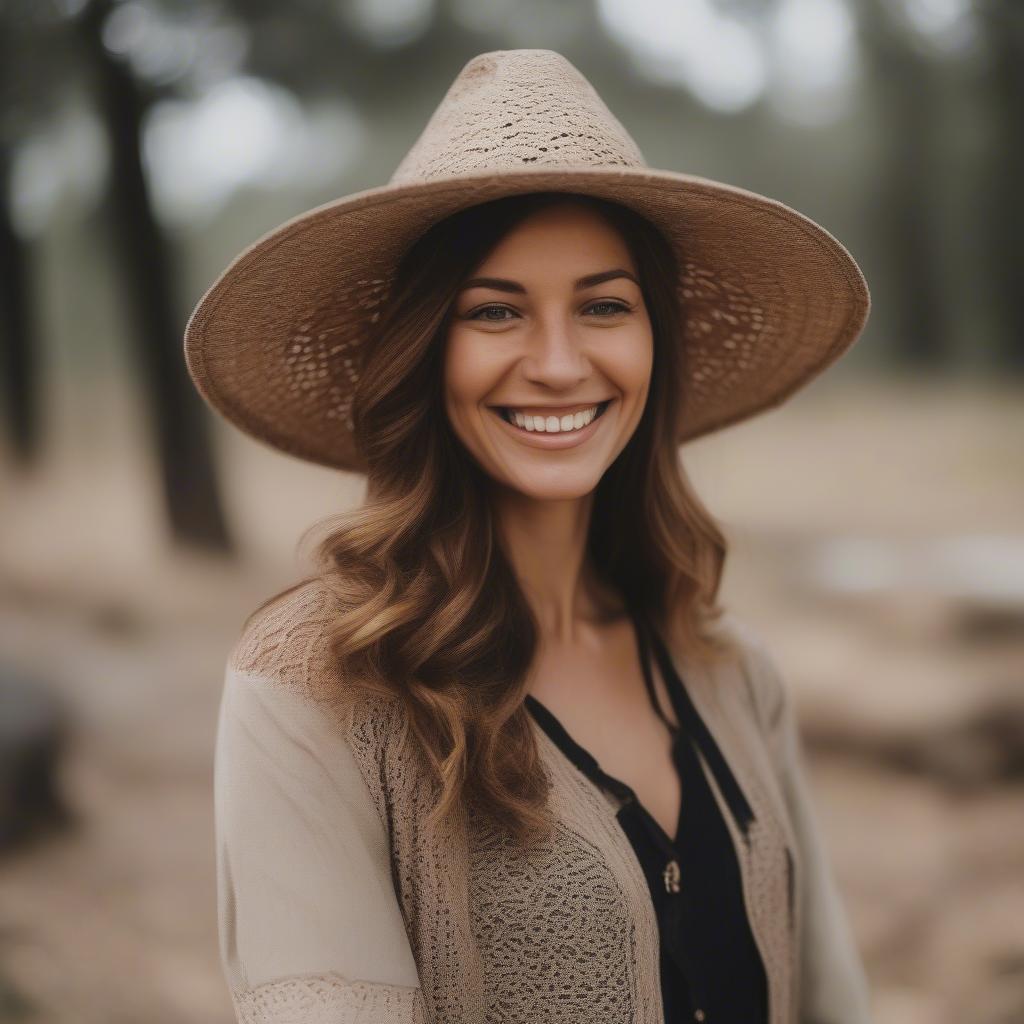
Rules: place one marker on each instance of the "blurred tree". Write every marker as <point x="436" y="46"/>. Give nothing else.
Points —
<point x="190" y="486"/>
<point x="1003" y="21"/>
<point x="18" y="343"/>
<point x="18" y="369"/>
<point x="902" y="81"/>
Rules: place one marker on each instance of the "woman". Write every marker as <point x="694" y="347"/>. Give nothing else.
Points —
<point x="503" y="757"/>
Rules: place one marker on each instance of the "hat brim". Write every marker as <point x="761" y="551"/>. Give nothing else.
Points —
<point x="771" y="299"/>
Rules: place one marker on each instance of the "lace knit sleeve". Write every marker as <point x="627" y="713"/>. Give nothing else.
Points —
<point x="834" y="986"/>
<point x="310" y="927"/>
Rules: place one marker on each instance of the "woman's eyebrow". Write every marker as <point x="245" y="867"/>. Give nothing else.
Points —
<point x="501" y="284"/>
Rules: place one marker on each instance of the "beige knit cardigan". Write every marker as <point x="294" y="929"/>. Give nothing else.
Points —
<point x="333" y="908"/>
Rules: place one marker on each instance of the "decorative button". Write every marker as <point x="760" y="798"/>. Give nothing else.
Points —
<point x="698" y="1014"/>
<point x="671" y="876"/>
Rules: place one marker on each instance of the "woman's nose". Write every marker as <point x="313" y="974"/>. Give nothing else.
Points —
<point x="555" y="354"/>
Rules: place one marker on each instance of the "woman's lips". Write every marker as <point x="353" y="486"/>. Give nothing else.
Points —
<point x="561" y="439"/>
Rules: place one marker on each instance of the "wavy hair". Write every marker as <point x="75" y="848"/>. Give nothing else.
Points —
<point x="430" y="612"/>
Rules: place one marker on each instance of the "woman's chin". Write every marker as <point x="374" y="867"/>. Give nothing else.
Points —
<point x="553" y="483"/>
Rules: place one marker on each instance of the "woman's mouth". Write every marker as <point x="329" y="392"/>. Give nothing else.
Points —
<point x="536" y="423"/>
<point x="551" y="431"/>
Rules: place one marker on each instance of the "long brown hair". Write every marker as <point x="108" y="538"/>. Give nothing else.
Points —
<point x="430" y="611"/>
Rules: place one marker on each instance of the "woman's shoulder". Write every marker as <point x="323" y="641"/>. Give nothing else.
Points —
<point x="287" y="641"/>
<point x="745" y="657"/>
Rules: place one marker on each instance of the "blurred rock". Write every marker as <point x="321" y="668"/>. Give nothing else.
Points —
<point x="984" y="746"/>
<point x="33" y="731"/>
<point x="1003" y="1002"/>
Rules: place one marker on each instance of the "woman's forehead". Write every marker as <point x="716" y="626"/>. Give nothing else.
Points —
<point x="566" y="239"/>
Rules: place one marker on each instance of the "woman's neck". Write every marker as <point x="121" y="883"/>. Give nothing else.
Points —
<point x="546" y="545"/>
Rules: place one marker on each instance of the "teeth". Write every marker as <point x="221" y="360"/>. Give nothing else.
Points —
<point x="553" y="424"/>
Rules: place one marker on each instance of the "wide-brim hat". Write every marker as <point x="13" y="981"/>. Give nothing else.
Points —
<point x="770" y="297"/>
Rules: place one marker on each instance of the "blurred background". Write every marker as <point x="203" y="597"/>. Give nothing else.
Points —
<point x="876" y="520"/>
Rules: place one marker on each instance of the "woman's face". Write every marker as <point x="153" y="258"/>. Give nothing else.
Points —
<point x="549" y="329"/>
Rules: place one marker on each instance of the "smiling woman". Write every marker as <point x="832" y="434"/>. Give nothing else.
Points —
<point x="574" y="342"/>
<point x="478" y="418"/>
<point x="503" y="757"/>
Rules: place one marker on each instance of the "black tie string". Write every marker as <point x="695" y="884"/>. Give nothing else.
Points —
<point x="691" y="721"/>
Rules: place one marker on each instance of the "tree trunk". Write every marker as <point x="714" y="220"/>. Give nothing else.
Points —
<point x="191" y="493"/>
<point x="908" y="122"/>
<point x="18" y="367"/>
<point x="1005" y="214"/>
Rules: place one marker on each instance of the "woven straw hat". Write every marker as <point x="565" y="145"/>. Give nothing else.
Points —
<point x="770" y="297"/>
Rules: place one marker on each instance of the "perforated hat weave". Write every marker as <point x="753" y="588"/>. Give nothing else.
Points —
<point x="770" y="297"/>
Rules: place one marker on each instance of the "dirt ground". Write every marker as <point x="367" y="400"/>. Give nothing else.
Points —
<point x="877" y="538"/>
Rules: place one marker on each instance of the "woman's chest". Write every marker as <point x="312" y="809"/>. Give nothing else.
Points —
<point x="565" y="931"/>
<point x="604" y="705"/>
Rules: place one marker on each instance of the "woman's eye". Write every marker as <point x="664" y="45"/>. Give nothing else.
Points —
<point x="479" y="314"/>
<point x="615" y="307"/>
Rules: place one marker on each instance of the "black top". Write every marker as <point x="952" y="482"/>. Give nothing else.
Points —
<point x="711" y="969"/>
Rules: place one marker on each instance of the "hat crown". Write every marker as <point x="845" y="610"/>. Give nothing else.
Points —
<point x="510" y="110"/>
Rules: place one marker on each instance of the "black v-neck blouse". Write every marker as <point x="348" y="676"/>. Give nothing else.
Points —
<point x="711" y="969"/>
